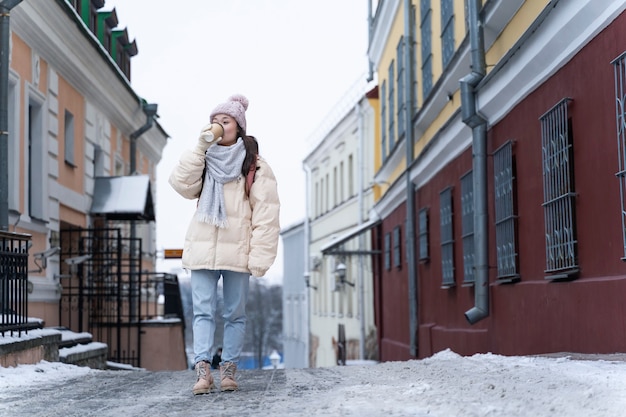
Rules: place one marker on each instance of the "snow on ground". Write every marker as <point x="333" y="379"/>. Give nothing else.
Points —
<point x="41" y="373"/>
<point x="444" y="385"/>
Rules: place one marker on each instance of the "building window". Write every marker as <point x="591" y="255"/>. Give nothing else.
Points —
<point x="400" y="84"/>
<point x="397" y="247"/>
<point x="335" y="187"/>
<point x="327" y="194"/>
<point x="13" y="124"/>
<point x="342" y="183"/>
<point x="619" y="69"/>
<point x="426" y="35"/>
<point x="559" y="192"/>
<point x="387" y="250"/>
<point x="383" y="121"/>
<point x="423" y="234"/>
<point x="415" y="62"/>
<point x="69" y="141"/>
<point x="317" y="200"/>
<point x="467" y="221"/>
<point x="351" y="176"/>
<point x="391" y="103"/>
<point x="447" y="237"/>
<point x="506" y="219"/>
<point x="447" y="31"/>
<point x="36" y="157"/>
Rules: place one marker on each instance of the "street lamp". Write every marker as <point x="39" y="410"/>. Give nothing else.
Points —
<point x="340" y="270"/>
<point x="274" y="358"/>
<point x="307" y="281"/>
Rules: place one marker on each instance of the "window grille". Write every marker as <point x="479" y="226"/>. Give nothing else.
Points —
<point x="400" y="83"/>
<point x="619" y="69"/>
<point x="427" y="63"/>
<point x="423" y="234"/>
<point x="506" y="219"/>
<point x="447" y="237"/>
<point x="383" y="121"/>
<point x="558" y="190"/>
<point x="467" y="219"/>
<point x="415" y="62"/>
<point x="447" y="31"/>
<point x="391" y="105"/>
<point x="397" y="247"/>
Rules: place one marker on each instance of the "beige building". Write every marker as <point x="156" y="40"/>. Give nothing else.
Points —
<point x="83" y="149"/>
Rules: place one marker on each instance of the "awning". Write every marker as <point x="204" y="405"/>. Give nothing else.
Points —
<point x="331" y="247"/>
<point x="123" y="198"/>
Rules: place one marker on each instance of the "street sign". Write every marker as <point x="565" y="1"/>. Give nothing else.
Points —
<point x="172" y="253"/>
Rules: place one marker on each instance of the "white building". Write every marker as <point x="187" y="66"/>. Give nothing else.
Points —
<point x="339" y="197"/>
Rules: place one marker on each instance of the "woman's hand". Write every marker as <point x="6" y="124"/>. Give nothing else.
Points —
<point x="210" y="134"/>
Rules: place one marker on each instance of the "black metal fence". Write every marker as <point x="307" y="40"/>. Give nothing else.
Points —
<point x="13" y="283"/>
<point x="107" y="293"/>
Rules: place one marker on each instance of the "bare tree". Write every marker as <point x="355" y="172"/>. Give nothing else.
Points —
<point x="265" y="320"/>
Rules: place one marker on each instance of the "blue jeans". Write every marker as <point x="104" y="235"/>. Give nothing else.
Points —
<point x="204" y="296"/>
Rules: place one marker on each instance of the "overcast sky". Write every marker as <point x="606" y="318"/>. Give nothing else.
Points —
<point x="293" y="60"/>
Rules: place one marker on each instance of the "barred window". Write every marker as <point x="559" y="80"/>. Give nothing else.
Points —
<point x="383" y="121"/>
<point x="397" y="247"/>
<point x="423" y="234"/>
<point x="447" y="238"/>
<point x="400" y="83"/>
<point x="427" y="55"/>
<point x="506" y="219"/>
<point x="619" y="69"/>
<point x="415" y="62"/>
<point x="467" y="219"/>
<point x="559" y="191"/>
<point x="387" y="251"/>
<point x="447" y="31"/>
<point x="391" y="103"/>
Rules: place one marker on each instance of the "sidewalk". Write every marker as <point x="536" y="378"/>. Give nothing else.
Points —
<point x="143" y="393"/>
<point x="444" y="385"/>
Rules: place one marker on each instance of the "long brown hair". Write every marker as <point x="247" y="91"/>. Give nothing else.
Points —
<point x="252" y="150"/>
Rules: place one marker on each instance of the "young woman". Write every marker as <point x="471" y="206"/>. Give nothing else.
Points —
<point x="233" y="234"/>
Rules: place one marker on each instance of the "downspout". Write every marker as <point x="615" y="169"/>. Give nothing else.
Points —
<point x="150" y="110"/>
<point x="307" y="261"/>
<point x="5" y="51"/>
<point x="410" y="188"/>
<point x="360" y="152"/>
<point x="478" y="124"/>
<point x="370" y="30"/>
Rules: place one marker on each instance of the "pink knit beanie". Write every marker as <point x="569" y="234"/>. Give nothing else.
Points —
<point x="235" y="107"/>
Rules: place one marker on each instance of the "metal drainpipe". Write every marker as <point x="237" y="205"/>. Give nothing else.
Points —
<point x="474" y="120"/>
<point x="361" y="276"/>
<point x="307" y="261"/>
<point x="410" y="188"/>
<point x="150" y="111"/>
<point x="370" y="29"/>
<point x="5" y="51"/>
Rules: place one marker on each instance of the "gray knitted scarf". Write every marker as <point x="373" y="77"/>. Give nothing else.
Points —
<point x="223" y="164"/>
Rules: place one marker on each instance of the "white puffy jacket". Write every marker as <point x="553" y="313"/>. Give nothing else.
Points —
<point x="250" y="241"/>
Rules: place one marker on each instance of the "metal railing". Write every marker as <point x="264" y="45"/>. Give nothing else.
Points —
<point x="13" y="283"/>
<point x="162" y="296"/>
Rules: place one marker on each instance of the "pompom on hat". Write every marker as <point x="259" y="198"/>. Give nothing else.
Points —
<point x="235" y="107"/>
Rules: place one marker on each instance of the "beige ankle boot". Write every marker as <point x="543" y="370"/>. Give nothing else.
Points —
<point x="227" y="374"/>
<point x="205" y="382"/>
